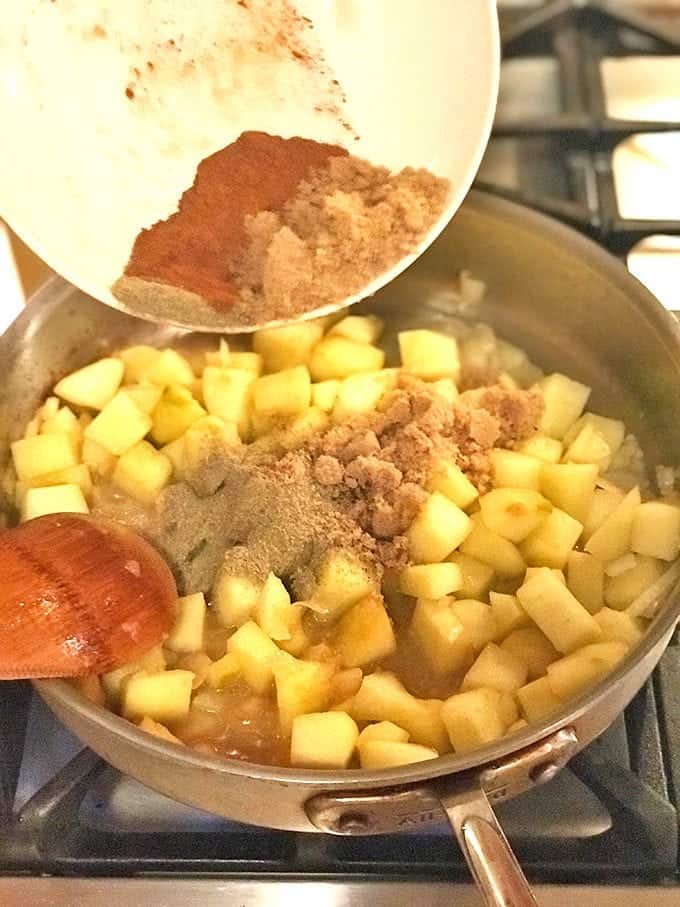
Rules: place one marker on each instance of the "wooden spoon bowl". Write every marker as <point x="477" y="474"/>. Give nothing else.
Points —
<point x="79" y="596"/>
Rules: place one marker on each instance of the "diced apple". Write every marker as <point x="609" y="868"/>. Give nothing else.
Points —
<point x="70" y="475"/>
<point x="565" y="400"/>
<point x="391" y="753"/>
<point x="473" y="719"/>
<point x="570" y="486"/>
<point x="323" y="740"/>
<point x="492" y="549"/>
<point x="620" y="591"/>
<point x="164" y="697"/>
<point x="42" y="454"/>
<point x="384" y="731"/>
<point x="605" y="501"/>
<point x="100" y="460"/>
<point x="287" y="346"/>
<point x="557" y="612"/>
<point x="285" y="393"/>
<point x="120" y="425"/>
<point x="476" y="577"/>
<point x="574" y="673"/>
<point x="220" y="356"/>
<point x="227" y="392"/>
<point x="205" y="438"/>
<point x="551" y="543"/>
<point x="364" y="634"/>
<point x="439" y="527"/>
<point x="613" y="537"/>
<point x="496" y="668"/>
<point x="537" y="700"/>
<point x="53" y="499"/>
<point x="656" y="530"/>
<point x="359" y="328"/>
<point x="620" y="564"/>
<point x="186" y="634"/>
<point x="429" y="354"/>
<point x="548" y="450"/>
<point x="234" y="599"/>
<point x="92" y="386"/>
<point x="152" y="662"/>
<point x="513" y="512"/>
<point x="477" y="618"/>
<point x="430" y="580"/>
<point x="382" y="698"/>
<point x="273" y="611"/>
<point x="585" y="579"/>
<point x="145" y="396"/>
<point x="137" y="361"/>
<point x="617" y="626"/>
<point x="324" y="394"/>
<point x="142" y="472"/>
<point x="441" y="636"/>
<point x="175" y="412"/>
<point x="533" y="571"/>
<point x="446" y="388"/>
<point x="338" y="357"/>
<point x="311" y="421"/>
<point x="158" y="730"/>
<point x="257" y="655"/>
<point x="301" y="687"/>
<point x="594" y="439"/>
<point x="362" y="393"/>
<point x="450" y="480"/>
<point x="512" y="469"/>
<point x="533" y="647"/>
<point x="341" y="582"/>
<point x="507" y="614"/>
<point x="247" y="362"/>
<point x="223" y="672"/>
<point x="167" y="368"/>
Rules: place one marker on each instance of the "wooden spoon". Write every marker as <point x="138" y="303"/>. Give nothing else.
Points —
<point x="79" y="596"/>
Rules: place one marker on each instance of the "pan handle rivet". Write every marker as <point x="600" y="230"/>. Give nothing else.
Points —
<point x="541" y="774"/>
<point x="353" y="823"/>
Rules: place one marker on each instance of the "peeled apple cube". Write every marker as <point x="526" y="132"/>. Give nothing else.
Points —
<point x="364" y="634"/>
<point x="537" y="700"/>
<point x="476" y="577"/>
<point x="594" y="439"/>
<point x="532" y="647"/>
<point x="496" y="668"/>
<point x="451" y="481"/>
<point x="70" y="475"/>
<point x="92" y="386"/>
<point x="381" y="697"/>
<point x="234" y="599"/>
<point x="97" y="458"/>
<point x="301" y="687"/>
<point x="385" y="731"/>
<point x="391" y="753"/>
<point x="617" y="626"/>
<point x="557" y="613"/>
<point x="548" y="450"/>
<point x="439" y="527"/>
<point x="512" y="469"/>
<point x="513" y="512"/>
<point x="142" y="472"/>
<point x="341" y="582"/>
<point x="440" y="635"/>
<point x="605" y="501"/>
<point x="42" y="454"/>
<point x="273" y="611"/>
<point x="323" y="740"/>
<point x="429" y="354"/>
<point x="226" y="393"/>
<point x="257" y="655"/>
<point x="613" y="538"/>
<point x="656" y="530"/>
<point x="137" y="361"/>
<point x="120" y="425"/>
<point x="507" y="614"/>
<point x="361" y="393"/>
<point x="473" y="719"/>
<point x="565" y="400"/>
<point x="570" y="486"/>
<point x="571" y="675"/>
<point x="324" y="394"/>
<point x="359" y="328"/>
<point x="446" y="388"/>
<point x="158" y="730"/>
<point x="338" y="357"/>
<point x="175" y="412"/>
<point x="551" y="543"/>
<point x="164" y="697"/>
<point x="585" y="579"/>
<point x="477" y="618"/>
<point x="287" y="346"/>
<point x="622" y="590"/>
<point x="430" y="580"/>
<point x="151" y="662"/>
<point x="53" y="499"/>
<point x="500" y="554"/>
<point x="169" y="367"/>
<point x="223" y="672"/>
<point x="284" y="393"/>
<point x="145" y="396"/>
<point x="186" y="634"/>
<point x="247" y="362"/>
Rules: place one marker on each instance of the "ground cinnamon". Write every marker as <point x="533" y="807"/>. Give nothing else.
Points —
<point x="194" y="247"/>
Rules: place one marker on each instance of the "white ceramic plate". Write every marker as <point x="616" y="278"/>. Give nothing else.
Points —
<point x="107" y="107"/>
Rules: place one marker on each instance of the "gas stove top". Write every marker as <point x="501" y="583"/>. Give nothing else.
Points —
<point x="588" y="131"/>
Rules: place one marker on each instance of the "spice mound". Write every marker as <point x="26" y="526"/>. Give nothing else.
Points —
<point x="272" y="228"/>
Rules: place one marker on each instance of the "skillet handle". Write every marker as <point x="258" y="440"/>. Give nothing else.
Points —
<point x="486" y="849"/>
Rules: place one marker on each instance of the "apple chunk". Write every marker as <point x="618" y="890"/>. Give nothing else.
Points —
<point x="92" y="386"/>
<point x="513" y="512"/>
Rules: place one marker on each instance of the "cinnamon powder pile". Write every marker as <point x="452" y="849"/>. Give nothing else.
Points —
<point x="273" y="228"/>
